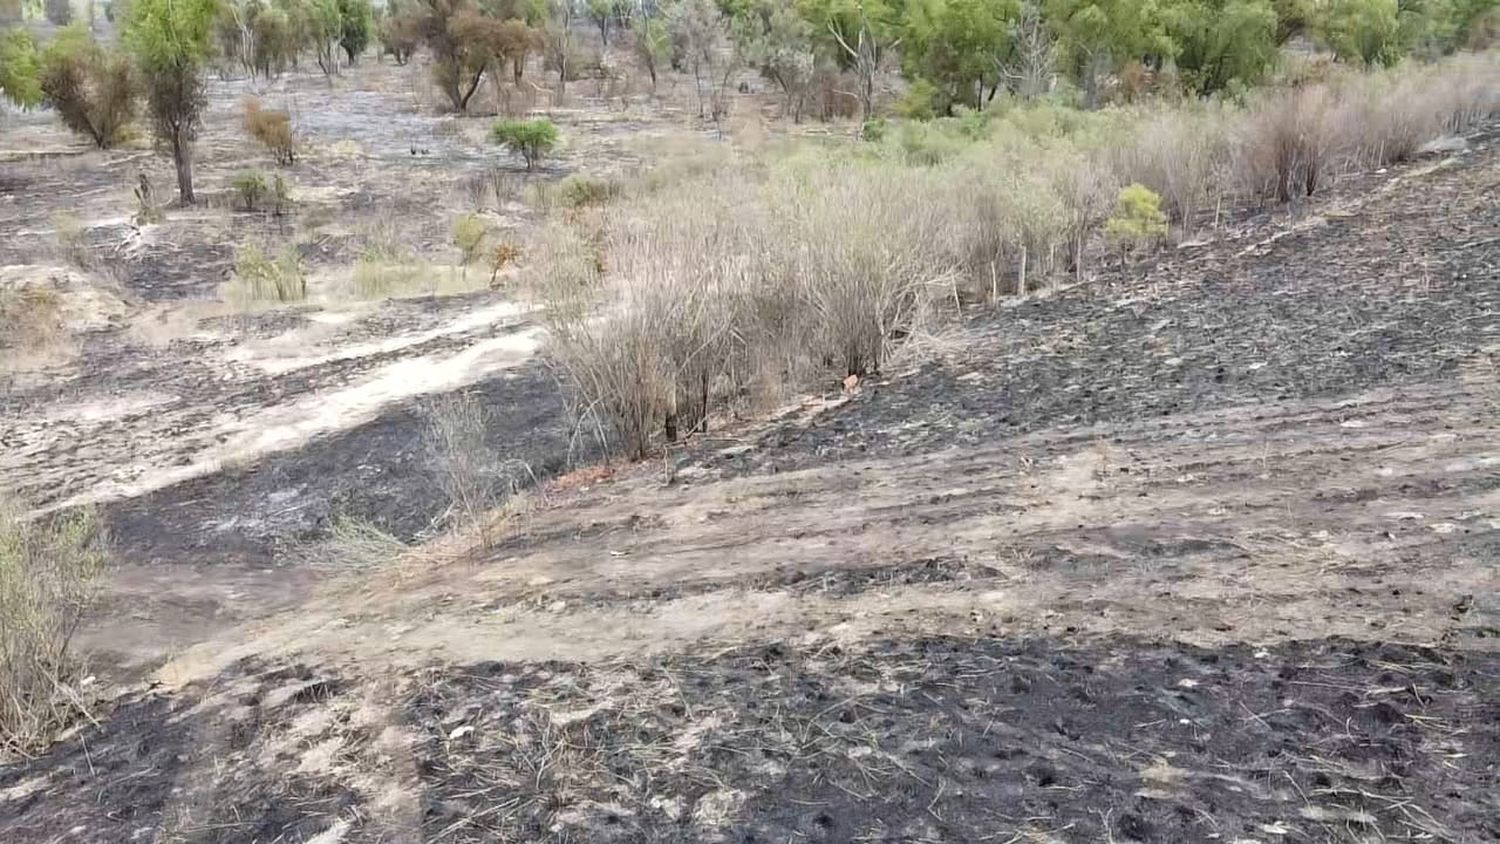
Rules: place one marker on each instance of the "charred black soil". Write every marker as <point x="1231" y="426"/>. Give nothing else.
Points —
<point x="929" y="740"/>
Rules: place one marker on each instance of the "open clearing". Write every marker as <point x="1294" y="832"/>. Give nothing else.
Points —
<point x="1208" y="549"/>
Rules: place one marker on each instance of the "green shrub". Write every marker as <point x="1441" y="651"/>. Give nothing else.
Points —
<point x="468" y="235"/>
<point x="20" y="69"/>
<point x="1138" y="218"/>
<point x="531" y="139"/>
<point x="259" y="277"/>
<point x="579" y="190"/>
<point x="250" y="186"/>
<point x="874" y="130"/>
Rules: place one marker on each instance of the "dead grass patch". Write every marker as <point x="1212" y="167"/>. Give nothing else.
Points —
<point x="48" y="571"/>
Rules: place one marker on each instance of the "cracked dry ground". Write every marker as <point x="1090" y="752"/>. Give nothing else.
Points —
<point x="1204" y="555"/>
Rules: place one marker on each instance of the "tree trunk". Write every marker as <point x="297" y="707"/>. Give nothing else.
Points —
<point x="182" y="157"/>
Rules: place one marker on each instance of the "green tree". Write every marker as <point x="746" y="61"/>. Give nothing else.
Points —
<point x="1219" y="42"/>
<point x="780" y="42"/>
<point x="324" y="29"/>
<point x="604" y="14"/>
<point x="171" y="40"/>
<point x="653" y="45"/>
<point x="961" y="47"/>
<point x="356" y="24"/>
<point x="1366" y="32"/>
<point x="92" y="88"/>
<point x="1293" y="17"/>
<point x="400" y="32"/>
<point x="860" y="33"/>
<point x="464" y="43"/>
<point x="1098" y="37"/>
<point x="20" y="69"/>
<point x="1437" y="27"/>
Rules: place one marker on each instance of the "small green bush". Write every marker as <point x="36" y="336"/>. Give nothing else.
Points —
<point x="262" y="278"/>
<point x="579" y="190"/>
<point x="531" y="139"/>
<point x="1138" y="218"/>
<point x="874" y="130"/>
<point x="250" y="186"/>
<point x="468" y="235"/>
<point x="20" y="69"/>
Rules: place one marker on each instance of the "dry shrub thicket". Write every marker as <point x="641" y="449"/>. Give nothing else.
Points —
<point x="717" y="286"/>
<point x="48" y="569"/>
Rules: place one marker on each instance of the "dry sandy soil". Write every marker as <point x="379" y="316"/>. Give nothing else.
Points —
<point x="1206" y="550"/>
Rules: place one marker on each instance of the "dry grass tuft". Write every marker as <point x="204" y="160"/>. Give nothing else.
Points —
<point x="473" y="476"/>
<point x="48" y="571"/>
<point x="260" y="277"/>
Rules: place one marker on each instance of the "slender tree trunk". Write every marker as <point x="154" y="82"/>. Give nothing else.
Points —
<point x="182" y="157"/>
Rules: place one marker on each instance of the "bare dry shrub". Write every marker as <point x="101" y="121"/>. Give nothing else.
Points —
<point x="721" y="285"/>
<point x="473" y="476"/>
<point x="1289" y="143"/>
<point x="865" y="246"/>
<point x="1388" y="116"/>
<point x="48" y="571"/>
<point x="1179" y="154"/>
<point x="273" y="129"/>
<point x="465" y="463"/>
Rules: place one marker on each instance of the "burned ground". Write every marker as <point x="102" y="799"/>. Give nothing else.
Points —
<point x="931" y="739"/>
<point x="970" y="740"/>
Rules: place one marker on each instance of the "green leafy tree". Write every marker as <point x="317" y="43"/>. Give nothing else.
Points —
<point x="20" y="69"/>
<point x="1366" y="32"/>
<point x="1436" y="27"/>
<point x="356" y="25"/>
<point x="171" y="40"/>
<point x="961" y="47"/>
<point x="653" y="45"/>
<point x="275" y="42"/>
<point x="1293" y="18"/>
<point x="1220" y="42"/>
<point x="605" y="14"/>
<point x="781" y="44"/>
<point x="861" y="34"/>
<point x="464" y="44"/>
<point x="1099" y="37"/>
<point x="324" y="29"/>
